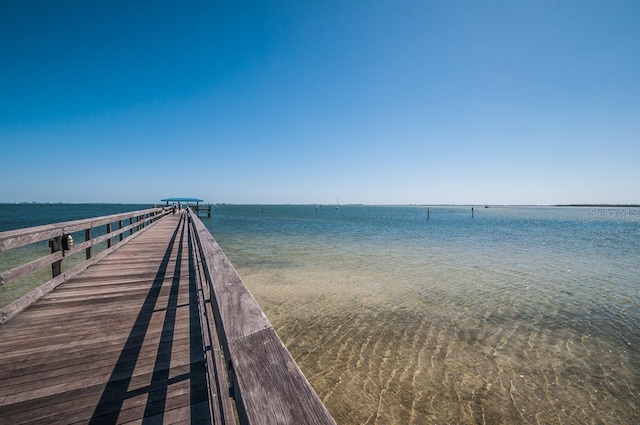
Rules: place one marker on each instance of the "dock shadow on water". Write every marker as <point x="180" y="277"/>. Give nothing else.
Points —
<point x="431" y="329"/>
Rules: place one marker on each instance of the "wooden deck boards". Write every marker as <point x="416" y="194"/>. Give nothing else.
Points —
<point x="120" y="343"/>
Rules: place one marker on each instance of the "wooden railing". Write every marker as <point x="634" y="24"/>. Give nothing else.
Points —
<point x="252" y="377"/>
<point x="243" y="350"/>
<point x="115" y="229"/>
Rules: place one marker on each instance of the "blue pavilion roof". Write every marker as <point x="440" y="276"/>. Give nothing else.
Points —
<point x="181" y="200"/>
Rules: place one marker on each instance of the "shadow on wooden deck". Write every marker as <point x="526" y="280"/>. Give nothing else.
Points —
<point x="117" y="389"/>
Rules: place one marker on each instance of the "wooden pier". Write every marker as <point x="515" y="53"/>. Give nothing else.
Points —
<point x="156" y="328"/>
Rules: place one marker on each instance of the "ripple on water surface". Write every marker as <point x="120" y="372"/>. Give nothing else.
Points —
<point x="519" y="316"/>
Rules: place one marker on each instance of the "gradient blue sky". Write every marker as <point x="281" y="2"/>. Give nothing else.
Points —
<point x="376" y="102"/>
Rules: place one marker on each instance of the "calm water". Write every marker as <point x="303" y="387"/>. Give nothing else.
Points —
<point x="517" y="316"/>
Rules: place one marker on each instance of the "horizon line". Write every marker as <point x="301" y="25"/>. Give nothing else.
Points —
<point x="617" y="205"/>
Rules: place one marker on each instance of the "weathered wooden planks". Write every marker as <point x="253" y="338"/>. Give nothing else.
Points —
<point x="222" y="409"/>
<point x="20" y="237"/>
<point x="272" y="387"/>
<point x="269" y="386"/>
<point x="159" y="330"/>
<point x="116" y="344"/>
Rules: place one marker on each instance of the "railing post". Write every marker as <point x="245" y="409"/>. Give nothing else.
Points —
<point x="120" y="228"/>
<point x="131" y="224"/>
<point x="87" y="237"/>
<point x="56" y="245"/>
<point x="108" y="232"/>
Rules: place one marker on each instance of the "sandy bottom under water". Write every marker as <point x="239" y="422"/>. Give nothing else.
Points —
<point x="388" y="344"/>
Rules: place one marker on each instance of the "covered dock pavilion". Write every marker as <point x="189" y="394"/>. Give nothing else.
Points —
<point x="189" y="201"/>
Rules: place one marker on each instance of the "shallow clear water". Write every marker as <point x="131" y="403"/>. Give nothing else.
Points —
<point x="519" y="315"/>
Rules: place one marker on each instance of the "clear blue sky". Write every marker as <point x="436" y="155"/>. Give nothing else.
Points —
<point x="376" y="102"/>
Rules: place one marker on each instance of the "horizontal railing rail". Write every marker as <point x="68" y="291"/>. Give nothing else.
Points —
<point x="96" y="231"/>
<point x="245" y="352"/>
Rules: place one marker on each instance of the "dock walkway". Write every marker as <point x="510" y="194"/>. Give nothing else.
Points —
<point x="120" y="342"/>
<point x="127" y="341"/>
